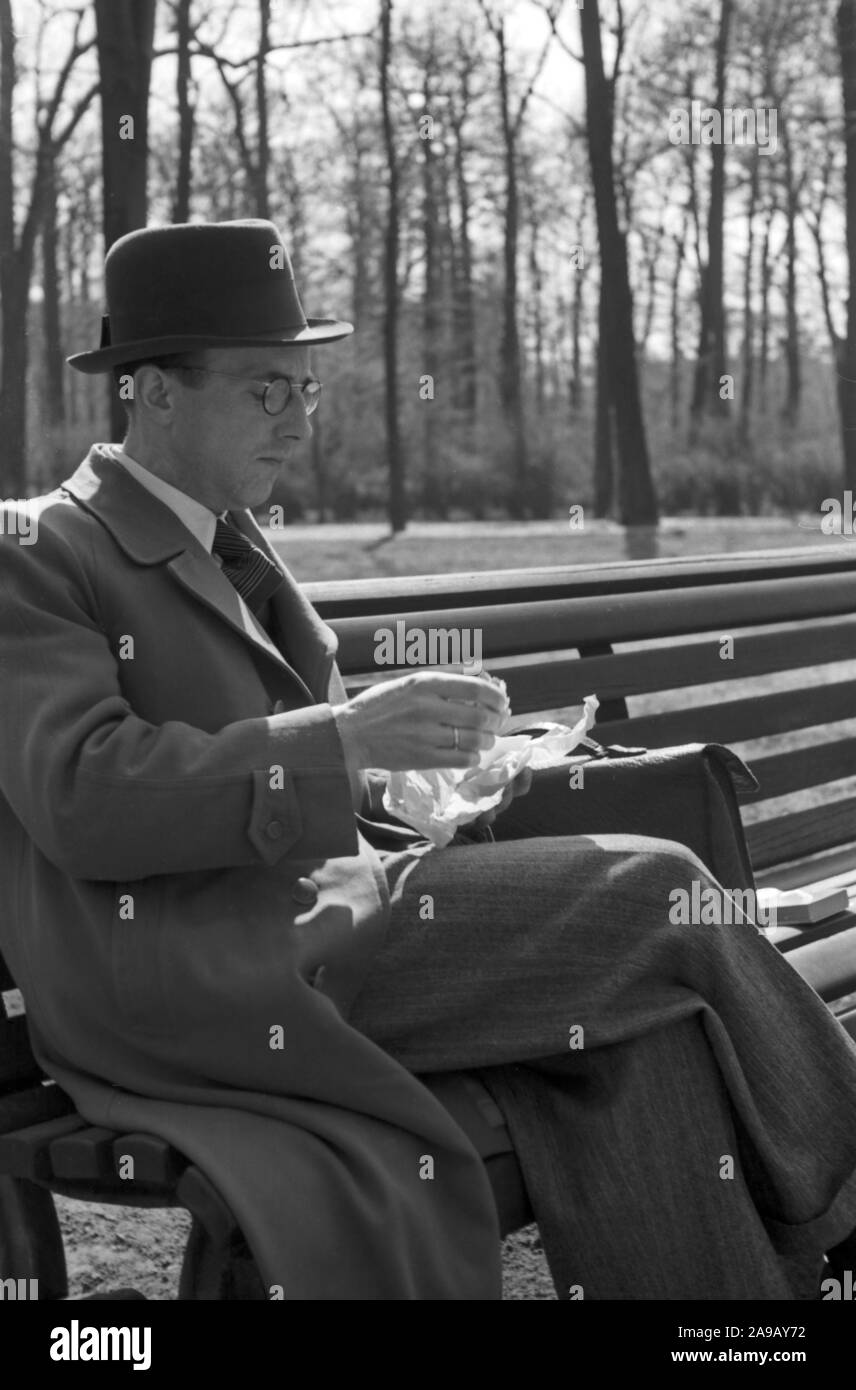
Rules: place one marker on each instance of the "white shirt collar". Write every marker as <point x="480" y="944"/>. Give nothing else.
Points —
<point x="199" y="520"/>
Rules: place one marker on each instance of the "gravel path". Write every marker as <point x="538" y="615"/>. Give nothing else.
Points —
<point x="121" y="1247"/>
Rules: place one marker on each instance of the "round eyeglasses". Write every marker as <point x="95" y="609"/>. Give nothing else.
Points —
<point x="277" y="392"/>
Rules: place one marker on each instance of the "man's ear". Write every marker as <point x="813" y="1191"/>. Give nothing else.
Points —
<point x="155" y="393"/>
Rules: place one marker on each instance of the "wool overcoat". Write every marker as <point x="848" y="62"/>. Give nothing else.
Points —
<point x="182" y="852"/>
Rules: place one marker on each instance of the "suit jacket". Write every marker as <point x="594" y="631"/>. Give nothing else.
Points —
<point x="179" y="863"/>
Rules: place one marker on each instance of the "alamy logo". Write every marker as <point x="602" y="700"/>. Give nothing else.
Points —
<point x="707" y="125"/>
<point x="839" y="518"/>
<point x="433" y="646"/>
<point x="76" y="1343"/>
<point x="17" y="518"/>
<point x="19" y="1290"/>
<point x="705" y="905"/>
<point x="836" y="1290"/>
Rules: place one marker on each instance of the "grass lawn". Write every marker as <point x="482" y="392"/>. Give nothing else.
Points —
<point x="365" y="550"/>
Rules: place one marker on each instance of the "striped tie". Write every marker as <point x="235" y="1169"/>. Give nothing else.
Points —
<point x="246" y="566"/>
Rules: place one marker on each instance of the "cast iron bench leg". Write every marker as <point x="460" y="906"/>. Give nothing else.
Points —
<point x="30" y="1238"/>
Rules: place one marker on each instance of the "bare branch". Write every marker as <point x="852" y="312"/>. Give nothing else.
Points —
<point x="205" y="50"/>
<point x="539" y="67"/>
<point x="79" y="109"/>
<point x="620" y="35"/>
<point x="815" y="226"/>
<point x="553" y="15"/>
<point x="76" y="51"/>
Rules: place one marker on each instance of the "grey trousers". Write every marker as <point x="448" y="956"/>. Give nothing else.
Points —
<point x="682" y="1104"/>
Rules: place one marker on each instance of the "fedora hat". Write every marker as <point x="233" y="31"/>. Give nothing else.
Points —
<point x="201" y="285"/>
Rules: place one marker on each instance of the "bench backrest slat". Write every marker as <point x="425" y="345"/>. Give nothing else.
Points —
<point x="562" y="623"/>
<point x="733" y="721"/>
<point x="798" y="768"/>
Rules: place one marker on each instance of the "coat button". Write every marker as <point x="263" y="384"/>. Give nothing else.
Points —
<point x="273" y="829"/>
<point x="305" y="892"/>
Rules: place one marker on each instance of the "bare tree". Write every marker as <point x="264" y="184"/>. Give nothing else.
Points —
<point x="746" y="396"/>
<point x="580" y="271"/>
<point x="710" y="364"/>
<point x="125" y="48"/>
<point x="463" y="312"/>
<point x="17" y="246"/>
<point x="847" y="363"/>
<point x="54" y="365"/>
<point x="184" y="171"/>
<point x="680" y="241"/>
<point x="637" y="505"/>
<point x="813" y="216"/>
<point x="511" y="367"/>
<point x="262" y="162"/>
<point x="394" y="443"/>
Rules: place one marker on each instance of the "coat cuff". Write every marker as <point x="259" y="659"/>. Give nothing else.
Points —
<point x="302" y="803"/>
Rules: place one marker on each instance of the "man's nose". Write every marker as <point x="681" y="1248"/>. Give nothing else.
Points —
<point x="294" y="420"/>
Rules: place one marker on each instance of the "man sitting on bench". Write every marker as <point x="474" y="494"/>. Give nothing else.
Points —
<point x="221" y="939"/>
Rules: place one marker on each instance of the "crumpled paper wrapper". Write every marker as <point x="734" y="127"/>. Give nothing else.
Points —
<point x="438" y="801"/>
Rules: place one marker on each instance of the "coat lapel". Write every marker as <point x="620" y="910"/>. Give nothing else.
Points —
<point x="150" y="533"/>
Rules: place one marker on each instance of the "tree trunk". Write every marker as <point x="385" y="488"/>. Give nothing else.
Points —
<point x="433" y="483"/>
<point x="637" y="503"/>
<point x="748" y="314"/>
<point x="13" y="391"/>
<point x="536" y="281"/>
<point x="125" y="40"/>
<point x="262" y="198"/>
<point x="675" y="383"/>
<point x="652" y="254"/>
<point x="394" y="444"/>
<point x="766" y="282"/>
<point x="463" y="312"/>
<point x="710" y="366"/>
<point x="13" y="294"/>
<point x="604" y="466"/>
<point x="577" y="311"/>
<point x="793" y="385"/>
<point x="510" y="372"/>
<point x="184" y="174"/>
<point x="847" y="365"/>
<point x="54" y="383"/>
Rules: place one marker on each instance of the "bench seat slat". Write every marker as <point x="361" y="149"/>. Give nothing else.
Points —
<point x="25" y="1153"/>
<point x="829" y="966"/>
<point x="87" y="1154"/>
<point x="156" y="1163"/>
<point x="814" y="869"/>
<point x="801" y="832"/>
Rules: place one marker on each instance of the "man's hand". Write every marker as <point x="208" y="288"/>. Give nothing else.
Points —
<point x="410" y="723"/>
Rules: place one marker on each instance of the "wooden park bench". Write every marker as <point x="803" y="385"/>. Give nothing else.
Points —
<point x="627" y="632"/>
